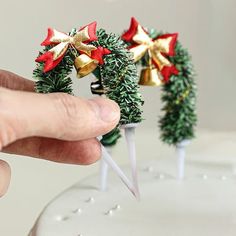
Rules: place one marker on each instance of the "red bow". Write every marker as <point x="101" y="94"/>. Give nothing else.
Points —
<point x="80" y="41"/>
<point x="158" y="48"/>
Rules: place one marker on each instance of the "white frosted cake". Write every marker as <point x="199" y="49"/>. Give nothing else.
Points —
<point x="202" y="204"/>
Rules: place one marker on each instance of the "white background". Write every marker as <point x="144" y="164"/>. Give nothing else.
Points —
<point x="206" y="28"/>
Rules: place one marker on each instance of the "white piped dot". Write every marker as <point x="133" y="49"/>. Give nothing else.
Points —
<point x="149" y="169"/>
<point x="58" y="218"/>
<point x="109" y="213"/>
<point x="61" y="218"/>
<point x="223" y="177"/>
<point x="160" y="176"/>
<point x="77" y="211"/>
<point x="90" y="200"/>
<point x="117" y="207"/>
<point x="205" y="176"/>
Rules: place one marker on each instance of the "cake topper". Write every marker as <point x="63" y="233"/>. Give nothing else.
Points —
<point x="105" y="55"/>
<point x="166" y="63"/>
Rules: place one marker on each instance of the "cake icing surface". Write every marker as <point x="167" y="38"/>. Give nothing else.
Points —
<point x="201" y="204"/>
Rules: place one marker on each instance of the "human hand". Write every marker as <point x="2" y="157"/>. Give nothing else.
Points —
<point x="56" y="127"/>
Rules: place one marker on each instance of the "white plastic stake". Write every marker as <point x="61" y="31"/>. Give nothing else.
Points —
<point x="180" y="148"/>
<point x="130" y="135"/>
<point x="104" y="170"/>
<point x="119" y="172"/>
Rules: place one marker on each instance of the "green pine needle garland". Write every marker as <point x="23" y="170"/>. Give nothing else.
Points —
<point x="119" y="77"/>
<point x="56" y="80"/>
<point x="179" y="98"/>
<point x="120" y="81"/>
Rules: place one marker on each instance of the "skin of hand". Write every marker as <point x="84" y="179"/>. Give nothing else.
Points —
<point x="56" y="127"/>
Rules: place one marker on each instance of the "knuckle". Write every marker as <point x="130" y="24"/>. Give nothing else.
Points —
<point x="67" y="106"/>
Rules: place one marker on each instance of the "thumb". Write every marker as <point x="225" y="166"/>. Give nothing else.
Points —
<point x="5" y="176"/>
<point x="56" y="115"/>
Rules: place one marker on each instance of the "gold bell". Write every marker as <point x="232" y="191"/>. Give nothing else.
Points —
<point x="150" y="76"/>
<point x="84" y="65"/>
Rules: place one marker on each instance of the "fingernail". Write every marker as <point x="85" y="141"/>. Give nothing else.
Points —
<point x="107" y="110"/>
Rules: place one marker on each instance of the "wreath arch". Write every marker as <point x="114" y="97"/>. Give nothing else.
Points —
<point x="167" y="63"/>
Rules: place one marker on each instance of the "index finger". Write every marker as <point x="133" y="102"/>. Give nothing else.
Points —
<point x="15" y="82"/>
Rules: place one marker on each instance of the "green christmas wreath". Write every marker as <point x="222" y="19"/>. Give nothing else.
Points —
<point x="165" y="62"/>
<point x="91" y="51"/>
